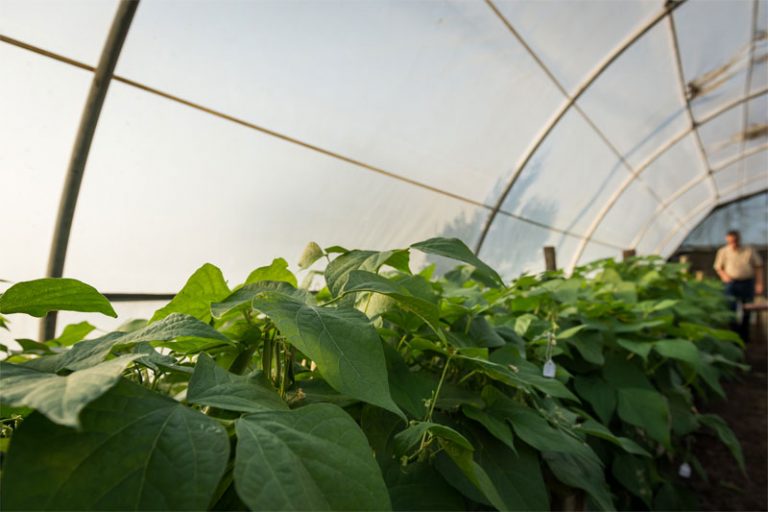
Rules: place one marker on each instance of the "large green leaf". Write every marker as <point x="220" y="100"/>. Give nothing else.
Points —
<point x="242" y="297"/>
<point x="456" y="249"/>
<point x="362" y="281"/>
<point x="582" y="473"/>
<point x="726" y="435"/>
<point x="632" y="473"/>
<point x="137" y="450"/>
<point x="337" y="271"/>
<point x="312" y="458"/>
<point x="277" y="271"/>
<point x="515" y="474"/>
<point x="39" y="297"/>
<point x="342" y="342"/>
<point x="682" y="350"/>
<point x="418" y="486"/>
<point x="174" y="326"/>
<point x="599" y="394"/>
<point x="407" y="440"/>
<point x="60" y="398"/>
<point x="645" y="409"/>
<point x="212" y="385"/>
<point x="205" y="286"/>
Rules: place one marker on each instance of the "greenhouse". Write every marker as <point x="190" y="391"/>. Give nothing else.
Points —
<point x="383" y="254"/>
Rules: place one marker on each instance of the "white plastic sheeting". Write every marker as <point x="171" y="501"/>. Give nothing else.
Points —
<point x="749" y="216"/>
<point x="235" y="132"/>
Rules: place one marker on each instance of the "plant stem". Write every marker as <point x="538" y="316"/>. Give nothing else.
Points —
<point x="435" y="395"/>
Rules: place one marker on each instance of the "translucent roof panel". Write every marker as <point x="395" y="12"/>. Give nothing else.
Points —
<point x="573" y="157"/>
<point x="572" y="40"/>
<point x="686" y="202"/>
<point x="514" y="247"/>
<point x="675" y="168"/>
<point x="749" y="216"/>
<point x="638" y="101"/>
<point x="729" y="177"/>
<point x="75" y="28"/>
<point x="757" y="122"/>
<point x="714" y="38"/>
<point x="239" y="199"/>
<point x="670" y="244"/>
<point x="628" y="216"/>
<point x="438" y="92"/>
<point x="721" y="136"/>
<point x="596" y="251"/>
<point x="661" y="226"/>
<point x="38" y="119"/>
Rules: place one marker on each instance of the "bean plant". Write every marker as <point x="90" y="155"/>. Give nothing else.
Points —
<point x="371" y="387"/>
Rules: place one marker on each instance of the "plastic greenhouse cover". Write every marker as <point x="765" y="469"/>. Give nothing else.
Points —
<point x="749" y="216"/>
<point x="236" y="132"/>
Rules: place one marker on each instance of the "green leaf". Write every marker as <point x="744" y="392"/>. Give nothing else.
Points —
<point x="599" y="394"/>
<point x="590" y="346"/>
<point x="39" y="297"/>
<point x="682" y="350"/>
<point x="593" y="428"/>
<point x="569" y="333"/>
<point x="337" y="271"/>
<point x="362" y="281"/>
<point x="641" y="348"/>
<point x="312" y="252"/>
<point x="632" y="473"/>
<point x="137" y="450"/>
<point x="346" y="348"/>
<point x="242" y="297"/>
<point x="312" y="458"/>
<point x="516" y="475"/>
<point x="418" y="486"/>
<point x="59" y="398"/>
<point x="582" y="473"/>
<point x="87" y="353"/>
<point x="726" y="435"/>
<point x="205" y="286"/>
<point x="277" y="271"/>
<point x="212" y="385"/>
<point x="474" y="473"/>
<point x="499" y="428"/>
<point x="407" y="439"/>
<point x="456" y="249"/>
<point x="72" y="334"/>
<point x="645" y="409"/>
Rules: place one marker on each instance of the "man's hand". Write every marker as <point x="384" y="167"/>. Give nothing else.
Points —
<point x="759" y="288"/>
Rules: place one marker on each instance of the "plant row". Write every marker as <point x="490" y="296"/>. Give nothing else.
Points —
<point x="382" y="388"/>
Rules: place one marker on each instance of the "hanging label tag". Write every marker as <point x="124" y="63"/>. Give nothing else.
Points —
<point x="685" y="470"/>
<point x="549" y="369"/>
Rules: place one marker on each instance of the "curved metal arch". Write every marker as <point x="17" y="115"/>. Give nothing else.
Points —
<point x="91" y="111"/>
<point x="668" y="8"/>
<point x="712" y="206"/>
<point x="750" y="70"/>
<point x="611" y="202"/>
<point x="693" y="183"/>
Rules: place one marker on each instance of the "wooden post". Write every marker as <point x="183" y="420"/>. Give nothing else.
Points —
<point x="550" y="261"/>
<point x="628" y="253"/>
<point x="699" y="275"/>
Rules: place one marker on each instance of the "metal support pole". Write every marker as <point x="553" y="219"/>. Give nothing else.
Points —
<point x="90" y="117"/>
<point x="550" y="261"/>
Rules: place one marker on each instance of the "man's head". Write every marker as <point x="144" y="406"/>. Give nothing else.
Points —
<point x="732" y="238"/>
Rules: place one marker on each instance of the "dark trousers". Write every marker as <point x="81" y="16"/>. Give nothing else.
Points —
<point x="743" y="291"/>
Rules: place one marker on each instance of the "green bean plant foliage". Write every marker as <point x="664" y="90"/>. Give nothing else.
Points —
<point x="380" y="389"/>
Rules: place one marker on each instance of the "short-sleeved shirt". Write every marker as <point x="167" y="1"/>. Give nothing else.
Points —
<point x="738" y="263"/>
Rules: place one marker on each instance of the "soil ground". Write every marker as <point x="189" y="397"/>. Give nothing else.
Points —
<point x="746" y="411"/>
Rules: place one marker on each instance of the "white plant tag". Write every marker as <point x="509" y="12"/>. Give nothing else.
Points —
<point x="685" y="470"/>
<point x="549" y="369"/>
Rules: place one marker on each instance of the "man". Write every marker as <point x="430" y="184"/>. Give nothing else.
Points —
<point x="741" y="269"/>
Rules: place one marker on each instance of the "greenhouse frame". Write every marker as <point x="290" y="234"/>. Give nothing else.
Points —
<point x="588" y="144"/>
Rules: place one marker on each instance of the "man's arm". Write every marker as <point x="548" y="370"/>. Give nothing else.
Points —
<point x="759" y="280"/>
